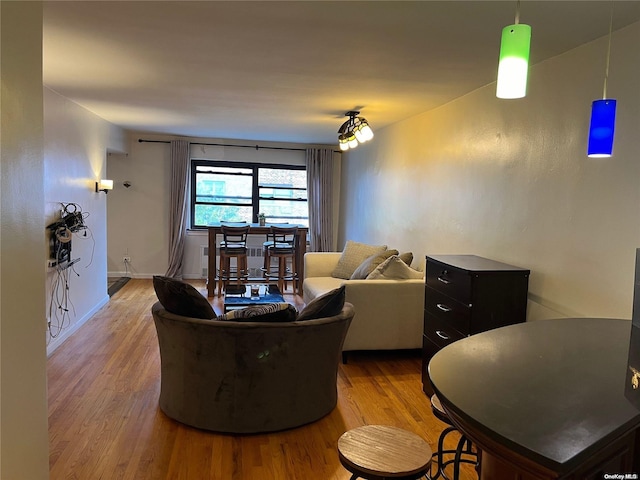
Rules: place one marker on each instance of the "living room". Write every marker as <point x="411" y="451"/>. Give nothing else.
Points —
<point x="505" y="180"/>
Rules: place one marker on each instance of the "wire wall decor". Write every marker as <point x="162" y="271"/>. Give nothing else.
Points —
<point x="61" y="233"/>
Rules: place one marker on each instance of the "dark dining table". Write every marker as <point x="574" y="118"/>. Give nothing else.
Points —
<point x="544" y="399"/>
<point x="255" y="229"/>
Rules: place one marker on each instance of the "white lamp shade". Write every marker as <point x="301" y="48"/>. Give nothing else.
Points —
<point x="106" y="184"/>
<point x="367" y="133"/>
<point x="359" y="135"/>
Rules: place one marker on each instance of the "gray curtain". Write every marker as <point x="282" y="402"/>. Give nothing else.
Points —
<point x="320" y="198"/>
<point x="178" y="206"/>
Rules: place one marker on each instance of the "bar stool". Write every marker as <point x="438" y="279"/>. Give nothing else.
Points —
<point x="464" y="452"/>
<point x="281" y="245"/>
<point x="377" y="452"/>
<point x="265" y="248"/>
<point x="233" y="245"/>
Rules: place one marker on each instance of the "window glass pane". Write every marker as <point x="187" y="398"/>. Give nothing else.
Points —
<point x="282" y="177"/>
<point x="283" y="195"/>
<point x="210" y="214"/>
<point x="223" y="188"/>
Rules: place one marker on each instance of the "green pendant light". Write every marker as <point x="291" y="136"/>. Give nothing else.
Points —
<point x="513" y="67"/>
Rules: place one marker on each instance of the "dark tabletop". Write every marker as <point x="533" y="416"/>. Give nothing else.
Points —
<point x="551" y="390"/>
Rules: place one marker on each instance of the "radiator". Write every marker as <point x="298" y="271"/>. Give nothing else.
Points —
<point x="255" y="260"/>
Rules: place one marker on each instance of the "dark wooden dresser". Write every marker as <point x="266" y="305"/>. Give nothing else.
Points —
<point x="467" y="294"/>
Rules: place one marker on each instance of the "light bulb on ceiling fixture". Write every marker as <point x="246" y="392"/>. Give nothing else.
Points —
<point x="353" y="141"/>
<point x="365" y="130"/>
<point x="359" y="135"/>
<point x="342" y="141"/>
<point x="513" y="66"/>
<point x="603" y="115"/>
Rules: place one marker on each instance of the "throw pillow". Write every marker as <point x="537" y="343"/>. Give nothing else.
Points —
<point x="326" y="305"/>
<point x="394" y="269"/>
<point x="354" y="254"/>
<point x="181" y="298"/>
<point x="370" y="263"/>
<point x="406" y="257"/>
<point x="271" y="312"/>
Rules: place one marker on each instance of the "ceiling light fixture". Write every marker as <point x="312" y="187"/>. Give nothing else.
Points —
<point x="603" y="115"/>
<point x="513" y="67"/>
<point x="354" y="131"/>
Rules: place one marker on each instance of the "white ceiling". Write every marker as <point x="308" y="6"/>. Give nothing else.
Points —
<point x="288" y="71"/>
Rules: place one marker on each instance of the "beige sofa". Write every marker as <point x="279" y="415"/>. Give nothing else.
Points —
<point x="389" y="313"/>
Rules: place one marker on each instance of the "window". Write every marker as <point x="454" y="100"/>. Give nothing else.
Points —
<point x="237" y="192"/>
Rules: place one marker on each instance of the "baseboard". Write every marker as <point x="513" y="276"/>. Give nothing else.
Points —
<point x="186" y="276"/>
<point x="131" y="275"/>
<point x="192" y="276"/>
<point x="56" y="342"/>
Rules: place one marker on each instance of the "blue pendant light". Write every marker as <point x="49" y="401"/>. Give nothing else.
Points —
<point x="602" y="128"/>
<point x="603" y="115"/>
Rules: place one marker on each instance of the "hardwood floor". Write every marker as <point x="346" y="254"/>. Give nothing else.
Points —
<point x="105" y="423"/>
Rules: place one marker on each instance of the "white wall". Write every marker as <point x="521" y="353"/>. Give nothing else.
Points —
<point x="76" y="145"/>
<point x="510" y="180"/>
<point x="23" y="394"/>
<point x="138" y="215"/>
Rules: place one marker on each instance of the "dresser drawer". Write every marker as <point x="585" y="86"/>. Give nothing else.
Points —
<point x="455" y="314"/>
<point x="449" y="280"/>
<point x="440" y="332"/>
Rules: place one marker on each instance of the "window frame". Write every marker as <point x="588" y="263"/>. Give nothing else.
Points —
<point x="255" y="187"/>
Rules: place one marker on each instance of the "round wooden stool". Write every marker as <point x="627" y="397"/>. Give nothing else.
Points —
<point x="376" y="452"/>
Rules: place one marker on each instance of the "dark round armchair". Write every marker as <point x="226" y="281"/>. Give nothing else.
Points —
<point x="249" y="377"/>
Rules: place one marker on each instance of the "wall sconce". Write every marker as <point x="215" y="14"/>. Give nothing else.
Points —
<point x="354" y="131"/>
<point x="104" y="186"/>
<point x="513" y="67"/>
<point x="603" y="115"/>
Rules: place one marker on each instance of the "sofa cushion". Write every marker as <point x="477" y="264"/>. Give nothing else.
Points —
<point x="180" y="298"/>
<point x="326" y="305"/>
<point x="394" y="269"/>
<point x="406" y="257"/>
<point x="315" y="286"/>
<point x="370" y="263"/>
<point x="271" y="312"/>
<point x="353" y="255"/>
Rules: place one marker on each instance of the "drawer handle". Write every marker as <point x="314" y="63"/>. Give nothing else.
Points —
<point x="444" y="280"/>
<point x="443" y="307"/>
<point x="443" y="335"/>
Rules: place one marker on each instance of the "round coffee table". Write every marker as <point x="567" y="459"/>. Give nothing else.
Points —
<point x="376" y="452"/>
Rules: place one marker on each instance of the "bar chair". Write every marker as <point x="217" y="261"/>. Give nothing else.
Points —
<point x="233" y="245"/>
<point x="464" y="452"/>
<point x="265" y="249"/>
<point x="281" y="245"/>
